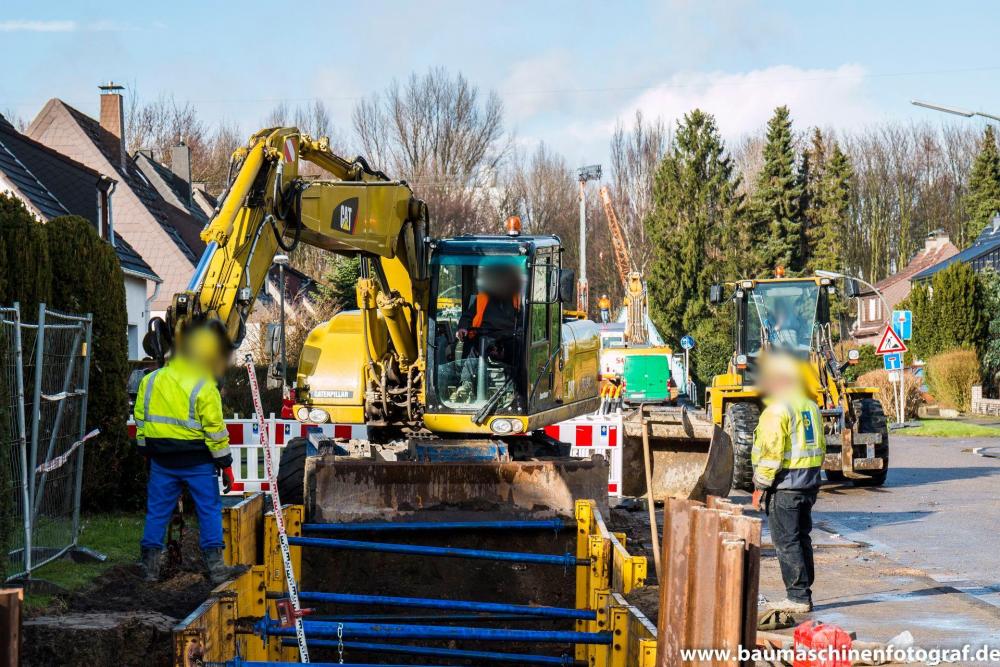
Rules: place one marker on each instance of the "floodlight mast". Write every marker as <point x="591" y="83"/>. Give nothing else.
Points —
<point x="589" y="173"/>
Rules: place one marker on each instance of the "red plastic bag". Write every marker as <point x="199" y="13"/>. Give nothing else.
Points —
<point x="821" y="645"/>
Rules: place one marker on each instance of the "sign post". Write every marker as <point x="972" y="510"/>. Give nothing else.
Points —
<point x="687" y="342"/>
<point x="892" y="348"/>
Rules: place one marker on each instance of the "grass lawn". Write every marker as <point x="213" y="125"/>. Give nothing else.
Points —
<point x="115" y="535"/>
<point x="950" y="428"/>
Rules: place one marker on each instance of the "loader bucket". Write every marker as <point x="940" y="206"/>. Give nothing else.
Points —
<point x="691" y="457"/>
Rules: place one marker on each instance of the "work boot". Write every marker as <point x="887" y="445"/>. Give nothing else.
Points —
<point x="790" y="606"/>
<point x="149" y="561"/>
<point x="218" y="571"/>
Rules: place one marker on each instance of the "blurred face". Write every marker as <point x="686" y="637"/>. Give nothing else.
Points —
<point x="780" y="375"/>
<point x="202" y="347"/>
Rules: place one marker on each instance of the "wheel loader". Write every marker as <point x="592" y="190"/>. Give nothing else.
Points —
<point x="792" y="315"/>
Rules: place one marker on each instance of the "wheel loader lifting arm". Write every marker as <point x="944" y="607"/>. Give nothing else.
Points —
<point x="269" y="206"/>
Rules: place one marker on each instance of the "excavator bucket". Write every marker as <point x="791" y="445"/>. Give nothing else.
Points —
<point x="690" y="456"/>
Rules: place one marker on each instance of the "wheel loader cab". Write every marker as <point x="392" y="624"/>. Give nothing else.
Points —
<point x="780" y="315"/>
<point x="494" y="329"/>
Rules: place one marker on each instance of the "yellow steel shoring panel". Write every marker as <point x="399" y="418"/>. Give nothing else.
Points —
<point x="241" y="530"/>
<point x="612" y="574"/>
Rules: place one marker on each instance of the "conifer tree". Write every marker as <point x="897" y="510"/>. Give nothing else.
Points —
<point x="694" y="226"/>
<point x="776" y="205"/>
<point x="982" y="201"/>
<point x="828" y="210"/>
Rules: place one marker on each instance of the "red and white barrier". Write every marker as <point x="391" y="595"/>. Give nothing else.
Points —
<point x="595" y="434"/>
<point x="248" y="456"/>
<point x="588" y="435"/>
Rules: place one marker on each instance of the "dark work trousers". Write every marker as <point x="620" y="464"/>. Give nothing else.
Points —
<point x="789" y="516"/>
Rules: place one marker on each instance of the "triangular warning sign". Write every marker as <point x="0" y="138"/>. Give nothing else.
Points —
<point x="890" y="342"/>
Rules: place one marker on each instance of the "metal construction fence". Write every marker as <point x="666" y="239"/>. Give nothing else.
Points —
<point x="44" y="371"/>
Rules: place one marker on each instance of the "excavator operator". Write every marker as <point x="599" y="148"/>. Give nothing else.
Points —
<point x="489" y="320"/>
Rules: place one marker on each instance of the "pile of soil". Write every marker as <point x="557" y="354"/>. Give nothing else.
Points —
<point x="120" y="619"/>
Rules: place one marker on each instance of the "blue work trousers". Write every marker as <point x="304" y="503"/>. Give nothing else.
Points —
<point x="164" y="489"/>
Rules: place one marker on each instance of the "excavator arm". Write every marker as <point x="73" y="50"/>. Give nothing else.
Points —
<point x="270" y="207"/>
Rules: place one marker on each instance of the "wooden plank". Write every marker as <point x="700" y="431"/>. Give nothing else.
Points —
<point x="11" y="601"/>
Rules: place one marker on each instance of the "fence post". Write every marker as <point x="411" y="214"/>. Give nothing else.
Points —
<point x="22" y="435"/>
<point x="36" y="417"/>
<point x="78" y="484"/>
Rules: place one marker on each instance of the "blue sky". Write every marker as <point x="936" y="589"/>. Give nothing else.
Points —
<point x="567" y="71"/>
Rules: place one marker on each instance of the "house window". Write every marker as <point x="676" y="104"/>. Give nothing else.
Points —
<point x="872" y="306"/>
<point x="133" y="341"/>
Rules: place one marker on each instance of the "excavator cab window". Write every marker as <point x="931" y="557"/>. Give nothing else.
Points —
<point x="478" y="316"/>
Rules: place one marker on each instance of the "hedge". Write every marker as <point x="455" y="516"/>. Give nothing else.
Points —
<point x="950" y="376"/>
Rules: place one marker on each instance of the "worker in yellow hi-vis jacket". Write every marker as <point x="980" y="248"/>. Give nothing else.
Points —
<point x="179" y="428"/>
<point x="787" y="456"/>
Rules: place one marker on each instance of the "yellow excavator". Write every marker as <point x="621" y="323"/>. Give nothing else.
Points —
<point x="458" y="351"/>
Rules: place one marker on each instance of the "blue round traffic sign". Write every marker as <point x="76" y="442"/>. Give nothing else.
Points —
<point x="687" y="342"/>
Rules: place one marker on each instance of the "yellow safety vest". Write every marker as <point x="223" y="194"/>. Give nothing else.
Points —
<point x="178" y="417"/>
<point x="789" y="444"/>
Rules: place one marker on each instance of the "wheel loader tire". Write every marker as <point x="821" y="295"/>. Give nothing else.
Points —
<point x="292" y="471"/>
<point x="871" y="419"/>
<point x="739" y="424"/>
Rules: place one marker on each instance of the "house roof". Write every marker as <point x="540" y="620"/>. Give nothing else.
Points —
<point x="132" y="262"/>
<point x="933" y="252"/>
<point x="58" y="185"/>
<point x="174" y="189"/>
<point x="988" y="240"/>
<point x="19" y="175"/>
<point x="182" y="229"/>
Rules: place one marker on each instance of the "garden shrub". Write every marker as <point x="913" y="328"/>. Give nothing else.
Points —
<point x="950" y="376"/>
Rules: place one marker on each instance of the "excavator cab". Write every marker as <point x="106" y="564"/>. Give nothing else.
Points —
<point x="495" y="349"/>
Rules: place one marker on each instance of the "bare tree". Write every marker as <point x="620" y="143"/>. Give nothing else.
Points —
<point x="442" y="135"/>
<point x="635" y="154"/>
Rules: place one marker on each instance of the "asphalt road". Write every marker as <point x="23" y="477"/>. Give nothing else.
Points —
<point x="939" y="511"/>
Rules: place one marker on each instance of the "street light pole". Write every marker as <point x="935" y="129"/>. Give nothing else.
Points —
<point x="281" y="261"/>
<point x="953" y="110"/>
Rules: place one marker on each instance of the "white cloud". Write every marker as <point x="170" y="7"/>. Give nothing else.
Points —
<point x="38" y="26"/>
<point x="742" y="102"/>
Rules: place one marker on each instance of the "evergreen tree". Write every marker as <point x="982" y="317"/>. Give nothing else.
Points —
<point x="828" y="213"/>
<point x="694" y="226"/>
<point x="989" y="347"/>
<point x="948" y="313"/>
<point x="113" y="473"/>
<point x="342" y="282"/>
<point x="776" y="205"/>
<point x="24" y="266"/>
<point x="982" y="201"/>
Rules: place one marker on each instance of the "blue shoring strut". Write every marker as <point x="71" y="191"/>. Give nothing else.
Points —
<point x="493" y="656"/>
<point x="462" y="605"/>
<point x="566" y="560"/>
<point x="321" y="629"/>
<point x="376" y="526"/>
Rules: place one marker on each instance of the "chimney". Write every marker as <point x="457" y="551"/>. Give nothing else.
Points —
<point x="113" y="115"/>
<point x="180" y="164"/>
<point x="936" y="240"/>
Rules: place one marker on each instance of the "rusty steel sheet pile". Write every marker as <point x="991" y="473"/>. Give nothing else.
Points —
<point x="711" y="570"/>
